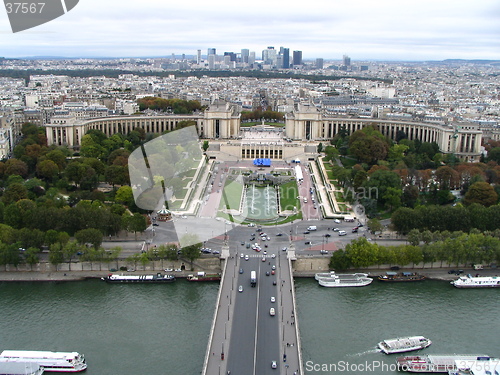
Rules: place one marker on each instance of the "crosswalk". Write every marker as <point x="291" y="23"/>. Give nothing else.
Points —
<point x="258" y="255"/>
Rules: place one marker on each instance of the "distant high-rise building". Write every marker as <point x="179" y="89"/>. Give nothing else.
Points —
<point x="286" y="57"/>
<point x="232" y="55"/>
<point x="319" y="63"/>
<point x="211" y="51"/>
<point x="211" y="61"/>
<point x="198" y="57"/>
<point x="346" y="60"/>
<point x="245" y="54"/>
<point x="251" y="58"/>
<point x="297" y="58"/>
<point x="173" y="56"/>
<point x="183" y="56"/>
<point x="269" y="56"/>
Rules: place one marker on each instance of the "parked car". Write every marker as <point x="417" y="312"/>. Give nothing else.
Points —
<point x="323" y="251"/>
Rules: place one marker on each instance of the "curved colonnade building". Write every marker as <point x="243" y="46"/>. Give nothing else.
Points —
<point x="303" y="127"/>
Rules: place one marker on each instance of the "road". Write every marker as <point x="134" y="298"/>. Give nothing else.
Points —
<point x="255" y="339"/>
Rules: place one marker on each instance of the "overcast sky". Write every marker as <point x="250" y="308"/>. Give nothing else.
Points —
<point x="364" y="29"/>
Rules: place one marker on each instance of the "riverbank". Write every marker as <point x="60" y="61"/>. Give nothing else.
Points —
<point x="61" y="276"/>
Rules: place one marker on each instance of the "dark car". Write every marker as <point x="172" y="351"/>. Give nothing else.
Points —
<point x="274" y="282"/>
<point x="451" y="272"/>
<point x="156" y="225"/>
<point x="395" y="268"/>
<point x="307" y="242"/>
<point x="241" y="270"/>
<point x="307" y="232"/>
<point x="268" y="273"/>
<point x="328" y="235"/>
<point x="355" y="230"/>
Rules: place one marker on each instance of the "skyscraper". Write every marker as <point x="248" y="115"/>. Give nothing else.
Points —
<point x="198" y="57"/>
<point x="286" y="58"/>
<point x="245" y="53"/>
<point x="297" y="58"/>
<point x="346" y="60"/>
<point x="319" y="63"/>
<point x="211" y="51"/>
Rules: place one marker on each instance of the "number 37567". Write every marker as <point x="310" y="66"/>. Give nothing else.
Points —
<point x="24" y="7"/>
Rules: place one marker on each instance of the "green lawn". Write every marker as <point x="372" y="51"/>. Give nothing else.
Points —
<point x="288" y="196"/>
<point x="231" y="195"/>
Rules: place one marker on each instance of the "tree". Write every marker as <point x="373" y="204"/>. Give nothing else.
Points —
<point x="482" y="193"/>
<point x="362" y="253"/>
<point x="205" y="146"/>
<point x="14" y="192"/>
<point x="15" y="166"/>
<point x="47" y="169"/>
<point x="31" y="256"/>
<point x="191" y="252"/>
<point x="339" y="261"/>
<point x="90" y="235"/>
<point x="375" y="225"/>
<point x="125" y="195"/>
<point x="135" y="223"/>
<point x="56" y="255"/>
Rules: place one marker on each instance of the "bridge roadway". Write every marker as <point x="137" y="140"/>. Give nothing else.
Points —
<point x="245" y="339"/>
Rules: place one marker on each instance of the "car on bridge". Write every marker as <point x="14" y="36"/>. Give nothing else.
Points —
<point x="272" y="312"/>
<point x="274" y="364"/>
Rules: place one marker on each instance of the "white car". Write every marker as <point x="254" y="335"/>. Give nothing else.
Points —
<point x="274" y="364"/>
<point x="273" y="267"/>
<point x="284" y="249"/>
<point x="240" y="289"/>
<point x="273" y="256"/>
<point x="272" y="312"/>
<point x="178" y="270"/>
<point x="242" y="255"/>
<point x="168" y="270"/>
<point x="273" y="299"/>
<point x="336" y="221"/>
<point x="247" y="257"/>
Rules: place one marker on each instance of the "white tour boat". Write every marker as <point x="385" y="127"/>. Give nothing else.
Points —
<point x="440" y="363"/>
<point x="345" y="280"/>
<point x="24" y="368"/>
<point x="404" y="344"/>
<point x="324" y="274"/>
<point x="477" y="282"/>
<point x="50" y="361"/>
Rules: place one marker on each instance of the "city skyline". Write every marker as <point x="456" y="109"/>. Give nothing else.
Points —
<point x="371" y="31"/>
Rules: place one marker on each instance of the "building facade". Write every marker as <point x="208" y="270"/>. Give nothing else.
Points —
<point x="221" y="121"/>
<point x="307" y="123"/>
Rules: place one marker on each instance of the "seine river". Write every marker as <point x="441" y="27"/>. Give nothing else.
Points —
<point x="163" y="329"/>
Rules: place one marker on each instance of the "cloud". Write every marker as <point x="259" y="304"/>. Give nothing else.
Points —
<point x="320" y="28"/>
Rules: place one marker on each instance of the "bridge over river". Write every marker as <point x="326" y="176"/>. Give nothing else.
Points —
<point x="245" y="338"/>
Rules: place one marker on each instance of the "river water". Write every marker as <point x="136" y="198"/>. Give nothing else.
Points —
<point x="163" y="329"/>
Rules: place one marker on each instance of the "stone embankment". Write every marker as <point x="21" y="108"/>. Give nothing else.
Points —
<point x="302" y="267"/>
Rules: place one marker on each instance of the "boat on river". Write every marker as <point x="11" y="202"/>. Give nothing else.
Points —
<point x="202" y="276"/>
<point x="404" y="344"/>
<point x="49" y="361"/>
<point x="440" y="363"/>
<point x="396" y="277"/>
<point x="470" y="281"/>
<point x="25" y="368"/>
<point x="158" y="278"/>
<point x="345" y="280"/>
